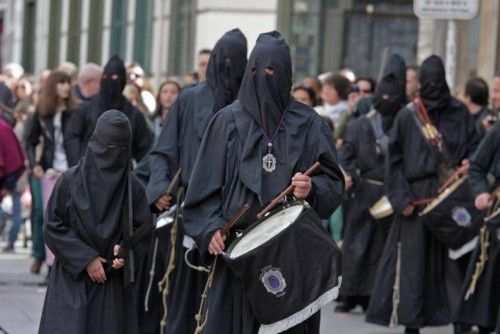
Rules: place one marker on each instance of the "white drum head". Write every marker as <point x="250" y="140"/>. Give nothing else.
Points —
<point x="266" y="230"/>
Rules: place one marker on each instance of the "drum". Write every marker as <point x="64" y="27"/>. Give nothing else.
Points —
<point x="288" y="265"/>
<point x="452" y="216"/>
<point x="381" y="209"/>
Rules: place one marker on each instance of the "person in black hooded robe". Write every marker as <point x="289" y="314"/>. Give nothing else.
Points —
<point x="410" y="286"/>
<point x="176" y="148"/>
<point x="482" y="307"/>
<point x="110" y="97"/>
<point x="363" y="155"/>
<point x="233" y="147"/>
<point x="85" y="221"/>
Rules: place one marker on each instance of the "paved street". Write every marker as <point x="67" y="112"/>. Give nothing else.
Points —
<point x="21" y="302"/>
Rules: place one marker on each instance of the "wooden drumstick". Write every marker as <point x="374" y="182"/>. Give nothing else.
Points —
<point x="236" y="217"/>
<point x="174" y="181"/>
<point x="286" y="192"/>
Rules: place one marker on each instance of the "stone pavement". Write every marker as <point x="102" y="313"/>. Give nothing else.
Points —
<point x="21" y="301"/>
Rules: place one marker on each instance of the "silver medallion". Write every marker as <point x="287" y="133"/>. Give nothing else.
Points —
<point x="269" y="163"/>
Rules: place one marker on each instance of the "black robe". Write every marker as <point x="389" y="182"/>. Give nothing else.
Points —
<point x="233" y="147"/>
<point x="364" y="236"/>
<point x="412" y="175"/>
<point x="176" y="148"/>
<point x="483" y="307"/>
<point x="85" y="118"/>
<point x="85" y="218"/>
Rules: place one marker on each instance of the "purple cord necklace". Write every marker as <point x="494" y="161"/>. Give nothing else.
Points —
<point x="269" y="160"/>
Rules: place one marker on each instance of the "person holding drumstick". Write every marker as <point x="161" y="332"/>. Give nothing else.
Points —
<point x="480" y="299"/>
<point x="252" y="150"/>
<point x="175" y="150"/>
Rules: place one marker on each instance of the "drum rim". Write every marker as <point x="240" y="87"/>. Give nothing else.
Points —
<point x="444" y="195"/>
<point x="305" y="205"/>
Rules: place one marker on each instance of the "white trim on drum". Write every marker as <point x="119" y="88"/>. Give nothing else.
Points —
<point x="455" y="254"/>
<point x="302" y="315"/>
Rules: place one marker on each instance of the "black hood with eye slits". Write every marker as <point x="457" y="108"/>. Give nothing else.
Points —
<point x="110" y="94"/>
<point x="226" y="67"/>
<point x="263" y="95"/>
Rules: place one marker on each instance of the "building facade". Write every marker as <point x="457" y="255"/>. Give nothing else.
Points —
<point x="165" y="35"/>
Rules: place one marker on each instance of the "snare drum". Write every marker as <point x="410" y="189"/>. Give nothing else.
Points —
<point x="452" y="216"/>
<point x="288" y="265"/>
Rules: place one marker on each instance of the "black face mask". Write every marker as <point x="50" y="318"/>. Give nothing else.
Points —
<point x="434" y="90"/>
<point x="112" y="84"/>
<point x="387" y="100"/>
<point x="396" y="67"/>
<point x="226" y="67"/>
<point x="109" y="147"/>
<point x="265" y="91"/>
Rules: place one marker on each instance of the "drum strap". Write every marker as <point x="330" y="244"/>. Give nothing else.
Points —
<point x="201" y="322"/>
<point x="484" y="242"/>
<point x="396" y="290"/>
<point x="164" y="284"/>
<point x="432" y="137"/>
<point x="151" y="276"/>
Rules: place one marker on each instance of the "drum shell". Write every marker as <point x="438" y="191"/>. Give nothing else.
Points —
<point x="308" y="260"/>
<point x="442" y="225"/>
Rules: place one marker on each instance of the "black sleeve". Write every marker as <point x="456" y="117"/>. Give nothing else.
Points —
<point x="203" y="214"/>
<point x="348" y="154"/>
<point x="328" y="184"/>
<point x="483" y="159"/>
<point x="164" y="158"/>
<point x="142" y="215"/>
<point x="399" y="191"/>
<point x="75" y="136"/>
<point x="69" y="249"/>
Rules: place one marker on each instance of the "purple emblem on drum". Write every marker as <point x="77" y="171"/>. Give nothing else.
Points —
<point x="461" y="216"/>
<point x="273" y="280"/>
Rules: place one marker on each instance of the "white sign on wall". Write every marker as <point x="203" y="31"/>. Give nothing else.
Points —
<point x="446" y="9"/>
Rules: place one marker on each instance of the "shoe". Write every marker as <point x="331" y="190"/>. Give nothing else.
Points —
<point x="344" y="307"/>
<point x="36" y="266"/>
<point x="412" y="331"/>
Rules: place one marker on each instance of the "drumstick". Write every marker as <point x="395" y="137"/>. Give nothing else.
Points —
<point x="287" y="191"/>
<point x="236" y="217"/>
<point x="455" y="176"/>
<point x="174" y="181"/>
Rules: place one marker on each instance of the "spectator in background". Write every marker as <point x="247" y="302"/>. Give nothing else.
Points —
<point x="366" y="86"/>
<point x="202" y="63"/>
<point x="70" y="69"/>
<point x="167" y="94"/>
<point x="11" y="168"/>
<point x="476" y="98"/>
<point x="137" y="77"/>
<point x="315" y="84"/>
<point x="495" y="96"/>
<point x="348" y="74"/>
<point x="88" y="82"/>
<point x="192" y="78"/>
<point x="305" y="95"/>
<point x="412" y="85"/>
<point x="334" y="93"/>
<point x="50" y="122"/>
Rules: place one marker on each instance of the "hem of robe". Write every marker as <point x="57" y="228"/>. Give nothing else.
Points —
<point x="302" y="315"/>
<point x="385" y="323"/>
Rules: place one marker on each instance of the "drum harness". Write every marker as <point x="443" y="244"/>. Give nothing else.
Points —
<point x="484" y="243"/>
<point x="163" y="285"/>
<point x="201" y="322"/>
